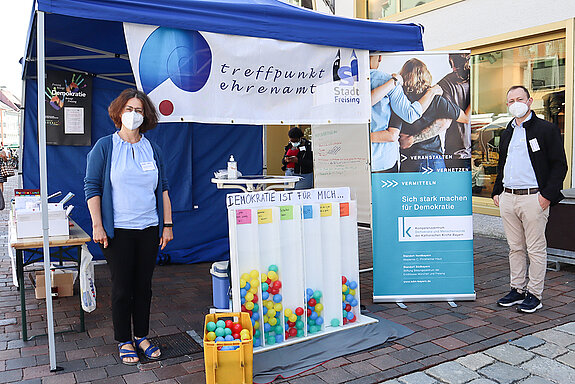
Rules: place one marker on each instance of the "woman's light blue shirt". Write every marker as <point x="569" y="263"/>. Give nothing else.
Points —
<point x="385" y="155"/>
<point x="134" y="178"/>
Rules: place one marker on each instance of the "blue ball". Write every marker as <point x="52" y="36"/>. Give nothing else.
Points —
<point x="277" y="298"/>
<point x="255" y="316"/>
<point x="309" y="292"/>
<point x="267" y="327"/>
<point x="279" y="338"/>
<point x="353" y="303"/>
<point x="342" y="305"/>
<point x="257" y="342"/>
<point x="229" y="338"/>
<point x="243" y="300"/>
<point x="265" y="295"/>
<point x="220" y="338"/>
<point x="319" y="320"/>
<point x="349" y="298"/>
<point x="287" y="327"/>
<point x="352" y="285"/>
<point x="253" y="322"/>
<point x="265" y="309"/>
<point x="350" y="315"/>
<point x="313" y="315"/>
<point x="243" y="292"/>
<point x="247" y="287"/>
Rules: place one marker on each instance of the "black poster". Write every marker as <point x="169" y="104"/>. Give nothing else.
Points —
<point x="68" y="108"/>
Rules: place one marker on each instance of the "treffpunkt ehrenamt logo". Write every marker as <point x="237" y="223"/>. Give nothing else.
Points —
<point x="179" y="55"/>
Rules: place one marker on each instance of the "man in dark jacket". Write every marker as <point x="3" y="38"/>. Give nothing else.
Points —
<point x="532" y="166"/>
<point x="298" y="159"/>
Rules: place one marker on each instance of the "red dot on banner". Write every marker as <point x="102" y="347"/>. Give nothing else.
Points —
<point x="166" y="107"/>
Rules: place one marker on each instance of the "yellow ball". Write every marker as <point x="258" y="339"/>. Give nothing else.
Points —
<point x="344" y="288"/>
<point x="211" y="336"/>
<point x="257" y="325"/>
<point x="253" y="290"/>
<point x="288" y="312"/>
<point x="254" y="283"/>
<point x="249" y="296"/>
<point x="271" y="313"/>
<point x="245" y="276"/>
<point x="272" y="275"/>
<point x="293" y="318"/>
<point x="264" y="277"/>
<point x="318" y="307"/>
<point x="265" y="318"/>
<point x="269" y="304"/>
<point x="278" y="307"/>
<point x="342" y="297"/>
<point x="249" y="305"/>
<point x="245" y="336"/>
<point x="273" y="321"/>
<point x="352" y="292"/>
<point x="254" y="274"/>
<point x="242" y="283"/>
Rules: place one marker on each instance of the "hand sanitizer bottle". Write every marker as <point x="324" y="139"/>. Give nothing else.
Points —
<point x="232" y="168"/>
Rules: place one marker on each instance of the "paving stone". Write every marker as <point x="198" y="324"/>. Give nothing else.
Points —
<point x="141" y="377"/>
<point x="483" y="381"/>
<point x="528" y="342"/>
<point x="90" y="375"/>
<point x="550" y="369"/>
<point x="550" y="350"/>
<point x="510" y="354"/>
<point x="101" y="361"/>
<point x="567" y="359"/>
<point x="392" y="381"/>
<point x="417" y="378"/>
<point x="503" y="373"/>
<point x="536" y="380"/>
<point x="452" y="373"/>
<point x="11" y="376"/>
<point x="59" y="378"/>
<point x="567" y="328"/>
<point x="335" y="375"/>
<point x="22" y="362"/>
<point x="556" y="337"/>
<point x="475" y="361"/>
<point x="361" y="368"/>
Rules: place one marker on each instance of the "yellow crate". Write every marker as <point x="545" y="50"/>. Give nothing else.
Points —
<point x="229" y="367"/>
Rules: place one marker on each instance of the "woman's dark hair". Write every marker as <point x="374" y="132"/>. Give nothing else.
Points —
<point x="116" y="109"/>
<point x="416" y="78"/>
<point x="295" y="133"/>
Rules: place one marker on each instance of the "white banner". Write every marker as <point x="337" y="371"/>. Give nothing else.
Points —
<point x="215" y="78"/>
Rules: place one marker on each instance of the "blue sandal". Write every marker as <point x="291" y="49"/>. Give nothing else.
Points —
<point x="127" y="353"/>
<point x="148" y="351"/>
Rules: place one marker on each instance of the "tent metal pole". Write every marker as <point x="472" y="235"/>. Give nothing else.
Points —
<point x="21" y="118"/>
<point x="40" y="42"/>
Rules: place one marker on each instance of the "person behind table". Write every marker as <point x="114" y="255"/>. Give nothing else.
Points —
<point x="298" y="159"/>
<point x="3" y="158"/>
<point x="425" y="151"/>
<point x="127" y="194"/>
<point x="387" y="96"/>
<point x="530" y="173"/>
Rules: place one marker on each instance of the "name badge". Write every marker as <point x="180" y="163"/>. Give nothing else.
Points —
<point x="302" y="149"/>
<point x="147" y="165"/>
<point x="534" y="145"/>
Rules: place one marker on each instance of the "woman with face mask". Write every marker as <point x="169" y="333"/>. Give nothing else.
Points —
<point x="298" y="159"/>
<point x="127" y="195"/>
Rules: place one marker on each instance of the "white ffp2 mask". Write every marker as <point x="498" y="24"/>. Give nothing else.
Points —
<point x="518" y="109"/>
<point x="132" y="120"/>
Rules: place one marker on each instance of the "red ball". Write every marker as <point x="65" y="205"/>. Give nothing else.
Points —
<point x="353" y="319"/>
<point x="244" y="308"/>
<point x="311" y="302"/>
<point x="343" y="280"/>
<point x="291" y="324"/>
<point x="236" y="336"/>
<point x="277" y="284"/>
<point x="287" y="335"/>
<point x="255" y="300"/>
<point x="308" y="312"/>
<point x="345" y="321"/>
<point x="299" y="311"/>
<point x="236" y="328"/>
<point x="274" y="291"/>
<point x="292" y="332"/>
<point x="229" y="324"/>
<point x="269" y="281"/>
<point x="251" y="313"/>
<point x="348" y="307"/>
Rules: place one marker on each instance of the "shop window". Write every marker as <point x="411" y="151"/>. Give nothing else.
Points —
<point x="408" y="4"/>
<point x="379" y="9"/>
<point x="538" y="67"/>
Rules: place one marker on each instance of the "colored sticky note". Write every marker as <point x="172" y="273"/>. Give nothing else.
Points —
<point x="308" y="212"/>
<point x="243" y="216"/>
<point x="264" y="216"/>
<point x="343" y="209"/>
<point x="286" y="212"/>
<point x="325" y="209"/>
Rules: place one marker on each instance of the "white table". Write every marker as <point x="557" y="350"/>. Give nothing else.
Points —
<point x="257" y="183"/>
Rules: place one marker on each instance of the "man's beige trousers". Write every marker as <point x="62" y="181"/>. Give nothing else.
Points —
<point x="524" y="222"/>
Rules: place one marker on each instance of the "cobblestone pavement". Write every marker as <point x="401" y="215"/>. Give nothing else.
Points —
<point x="475" y="342"/>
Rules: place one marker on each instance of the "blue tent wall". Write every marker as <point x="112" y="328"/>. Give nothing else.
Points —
<point x="192" y="153"/>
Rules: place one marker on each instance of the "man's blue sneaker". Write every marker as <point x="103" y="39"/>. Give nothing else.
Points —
<point x="530" y="304"/>
<point x="512" y="298"/>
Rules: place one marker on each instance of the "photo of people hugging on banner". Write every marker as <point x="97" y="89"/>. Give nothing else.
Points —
<point x="427" y="129"/>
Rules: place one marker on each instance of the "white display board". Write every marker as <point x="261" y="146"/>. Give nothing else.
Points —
<point x="341" y="158"/>
<point x="295" y="263"/>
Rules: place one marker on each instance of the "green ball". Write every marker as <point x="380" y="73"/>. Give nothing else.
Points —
<point x="220" y="332"/>
<point x="314" y="329"/>
<point x="311" y="322"/>
<point x="227" y="331"/>
<point x="334" y="322"/>
<point x="265" y="286"/>
<point x="221" y="324"/>
<point x="273" y="267"/>
<point x="299" y="324"/>
<point x="256" y="308"/>
<point x="279" y="329"/>
<point x="317" y="295"/>
<point x="211" y="326"/>
<point x="271" y="340"/>
<point x="300" y="333"/>
<point x="257" y="334"/>
<point x="344" y="313"/>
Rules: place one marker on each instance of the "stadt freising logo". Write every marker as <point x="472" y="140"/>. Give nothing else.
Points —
<point x="346" y="79"/>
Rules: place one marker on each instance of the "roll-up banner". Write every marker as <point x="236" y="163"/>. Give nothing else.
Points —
<point x="420" y="139"/>
<point x="215" y="78"/>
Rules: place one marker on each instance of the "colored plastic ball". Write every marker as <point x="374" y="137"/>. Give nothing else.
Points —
<point x="277" y="298"/>
<point x="308" y="312"/>
<point x="267" y="327"/>
<point x="273" y="276"/>
<point x="277" y="284"/>
<point x="271" y="312"/>
<point x="249" y="296"/>
<point x="242" y="283"/>
<point x="352" y="284"/>
<point x="299" y="311"/>
<point x="334" y="322"/>
<point x="265" y="295"/>
<point x="345" y="321"/>
<point x="254" y="274"/>
<point x="349" y="298"/>
<point x="318" y="307"/>
<point x="279" y="338"/>
<point x="300" y="333"/>
<point x="243" y="292"/>
<point x="273" y="321"/>
<point x="313" y="316"/>
<point x="353" y="319"/>
<point x="220" y="332"/>
<point x="347" y="307"/>
<point x="237" y="327"/>
<point x="273" y="291"/>
<point x="309" y="291"/>
<point x="264" y="277"/>
<point x="227" y="331"/>
<point x="319" y="320"/>
<point x="278" y="307"/>
<point x="344" y="313"/>
<point x="257" y="325"/>
<point x="253" y="290"/>
<point x="352" y="292"/>
<point x="243" y="300"/>
<point x="265" y="287"/>
<point x="256" y="308"/>
<point x="257" y="343"/>
<point x="255" y="316"/>
<point x="221" y="324"/>
<point x="278" y="329"/>
<point x="299" y="324"/>
<point x="288" y="312"/>
<point x="271" y="340"/>
<point x="211" y="336"/>
<point x="270" y="304"/>
<point x="311" y="302"/>
<point x="354" y="303"/>
<point x="245" y="277"/>
<point x="249" y="305"/>
<point x="257" y="333"/>
<point x="248" y="286"/>
<point x="344" y="288"/>
<point x="273" y="267"/>
<point x="343" y="280"/>
<point x="310" y="322"/>
<point x="292" y="332"/>
<point x="245" y="331"/>
<point x="292" y="318"/>
<point x="229" y="337"/>
<point x="236" y="336"/>
<point x="245" y="337"/>
<point x="211" y="326"/>
<point x="350" y="315"/>
<point x="220" y="338"/>
<point x="228" y="323"/>
<point x="317" y="295"/>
